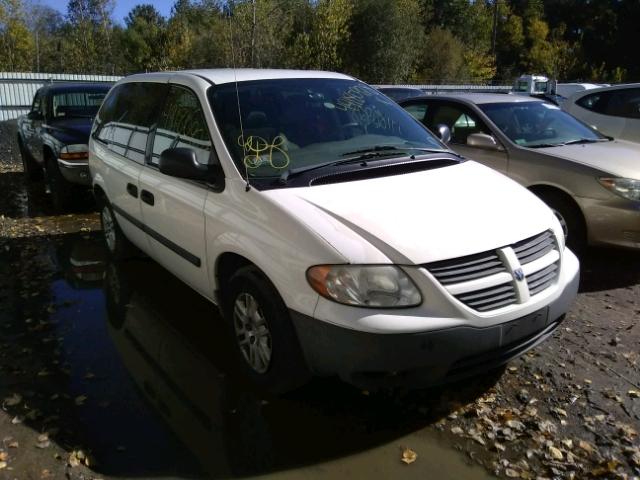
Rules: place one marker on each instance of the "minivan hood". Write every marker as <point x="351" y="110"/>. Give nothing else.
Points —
<point x="420" y="217"/>
<point x="618" y="157"/>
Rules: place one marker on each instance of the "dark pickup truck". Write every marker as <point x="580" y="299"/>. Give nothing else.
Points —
<point x="53" y="137"/>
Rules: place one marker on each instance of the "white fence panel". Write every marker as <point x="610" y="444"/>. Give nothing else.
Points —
<point x="17" y="88"/>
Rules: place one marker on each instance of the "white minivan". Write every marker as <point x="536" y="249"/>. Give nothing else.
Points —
<point x="334" y="231"/>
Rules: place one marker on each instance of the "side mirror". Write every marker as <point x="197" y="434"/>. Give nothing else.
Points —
<point x="443" y="132"/>
<point x="183" y="163"/>
<point x="35" y="115"/>
<point x="482" y="140"/>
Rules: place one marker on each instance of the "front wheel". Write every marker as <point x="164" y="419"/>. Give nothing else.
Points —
<point x="570" y="218"/>
<point x="62" y="192"/>
<point x="32" y="171"/>
<point x="264" y="337"/>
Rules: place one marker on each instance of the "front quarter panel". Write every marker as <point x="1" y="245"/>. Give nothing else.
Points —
<point x="253" y="226"/>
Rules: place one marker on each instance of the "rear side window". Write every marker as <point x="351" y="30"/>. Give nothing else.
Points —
<point x="182" y="124"/>
<point x="127" y="116"/>
<point x="618" y="103"/>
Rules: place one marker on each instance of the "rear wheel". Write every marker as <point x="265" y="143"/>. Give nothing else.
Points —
<point x="570" y="218"/>
<point x="265" y="340"/>
<point x="32" y="171"/>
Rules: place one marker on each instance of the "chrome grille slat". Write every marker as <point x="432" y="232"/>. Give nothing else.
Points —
<point x="490" y="298"/>
<point x="467" y="268"/>
<point x="455" y="273"/>
<point x="535" y="247"/>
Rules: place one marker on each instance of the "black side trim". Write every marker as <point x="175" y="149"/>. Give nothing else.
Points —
<point x="189" y="257"/>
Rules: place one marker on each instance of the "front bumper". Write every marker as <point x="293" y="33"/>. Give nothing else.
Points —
<point x="370" y="360"/>
<point x="415" y="359"/>
<point x="75" y="172"/>
<point x="614" y="222"/>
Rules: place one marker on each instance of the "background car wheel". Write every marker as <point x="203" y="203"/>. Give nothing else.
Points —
<point x="62" y="192"/>
<point x="118" y="246"/>
<point x="571" y="220"/>
<point x="32" y="171"/>
<point x="264" y="337"/>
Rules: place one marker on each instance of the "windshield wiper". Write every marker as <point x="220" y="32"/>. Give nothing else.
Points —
<point x="382" y="148"/>
<point x="292" y="172"/>
<point x="585" y="140"/>
<point x="570" y="142"/>
<point x="377" y="152"/>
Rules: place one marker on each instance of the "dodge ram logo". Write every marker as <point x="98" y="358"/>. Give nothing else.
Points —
<point x="519" y="274"/>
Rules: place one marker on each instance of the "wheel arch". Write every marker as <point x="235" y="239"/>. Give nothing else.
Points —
<point x="540" y="190"/>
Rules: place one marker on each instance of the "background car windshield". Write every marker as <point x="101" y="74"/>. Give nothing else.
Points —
<point x="537" y="123"/>
<point x="294" y="123"/>
<point x="77" y="104"/>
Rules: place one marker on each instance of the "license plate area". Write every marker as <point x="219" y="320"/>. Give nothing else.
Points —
<point x="523" y="327"/>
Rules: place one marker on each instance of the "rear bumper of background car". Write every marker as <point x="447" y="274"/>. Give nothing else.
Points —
<point x="75" y="172"/>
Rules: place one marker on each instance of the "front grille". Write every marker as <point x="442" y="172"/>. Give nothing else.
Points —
<point x="479" y="280"/>
<point x="490" y="298"/>
<point x="467" y="268"/>
<point x="542" y="279"/>
<point x="535" y="247"/>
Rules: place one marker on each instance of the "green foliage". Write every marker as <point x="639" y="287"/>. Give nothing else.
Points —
<point x="380" y="41"/>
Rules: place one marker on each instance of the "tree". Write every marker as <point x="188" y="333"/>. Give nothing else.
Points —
<point x="16" y="41"/>
<point x="144" y="39"/>
<point x="321" y="47"/>
<point x="386" y="39"/>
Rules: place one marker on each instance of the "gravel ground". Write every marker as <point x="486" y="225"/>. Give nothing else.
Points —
<point x="570" y="409"/>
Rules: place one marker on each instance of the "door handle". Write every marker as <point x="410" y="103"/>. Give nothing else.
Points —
<point x="147" y="197"/>
<point x="132" y="189"/>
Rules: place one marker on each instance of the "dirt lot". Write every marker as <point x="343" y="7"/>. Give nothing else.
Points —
<point x="84" y="397"/>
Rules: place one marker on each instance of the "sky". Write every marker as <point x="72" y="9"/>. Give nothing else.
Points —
<point x="123" y="7"/>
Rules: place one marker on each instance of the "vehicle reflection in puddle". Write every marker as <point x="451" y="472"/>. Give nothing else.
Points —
<point x="176" y="348"/>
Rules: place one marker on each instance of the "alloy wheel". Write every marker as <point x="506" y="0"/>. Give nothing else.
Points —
<point x="252" y="332"/>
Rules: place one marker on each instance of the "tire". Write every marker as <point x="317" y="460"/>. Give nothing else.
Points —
<point x="62" y="192"/>
<point x="265" y="340"/>
<point x="117" y="245"/>
<point x="571" y="220"/>
<point x="32" y="171"/>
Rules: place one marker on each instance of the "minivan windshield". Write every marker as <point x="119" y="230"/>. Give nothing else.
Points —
<point x="538" y="124"/>
<point x="294" y="124"/>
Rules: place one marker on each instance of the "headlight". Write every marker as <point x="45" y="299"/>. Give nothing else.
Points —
<point x="625" y="187"/>
<point x="74" y="152"/>
<point x="374" y="286"/>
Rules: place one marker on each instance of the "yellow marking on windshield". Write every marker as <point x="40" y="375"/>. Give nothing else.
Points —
<point x="261" y="152"/>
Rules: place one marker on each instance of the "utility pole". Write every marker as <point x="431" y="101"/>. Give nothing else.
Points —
<point x="495" y="27"/>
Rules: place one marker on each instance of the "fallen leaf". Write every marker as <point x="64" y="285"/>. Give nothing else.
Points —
<point x="16" y="420"/>
<point x="511" y="473"/>
<point x="634" y="393"/>
<point x="457" y="431"/>
<point x="13" y="400"/>
<point x="3" y="456"/>
<point x="80" y="399"/>
<point x="586" y="446"/>
<point x="409" y="456"/>
<point x="13" y="445"/>
<point x="3" y="465"/>
<point x="555" y="453"/>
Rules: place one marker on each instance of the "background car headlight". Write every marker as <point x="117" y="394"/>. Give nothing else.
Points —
<point x="625" y="187"/>
<point x="374" y="286"/>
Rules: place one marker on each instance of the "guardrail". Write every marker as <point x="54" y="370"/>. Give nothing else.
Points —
<point x="434" y="88"/>
<point x="17" y="89"/>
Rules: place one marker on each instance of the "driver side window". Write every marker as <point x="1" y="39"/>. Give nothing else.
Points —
<point x="461" y="121"/>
